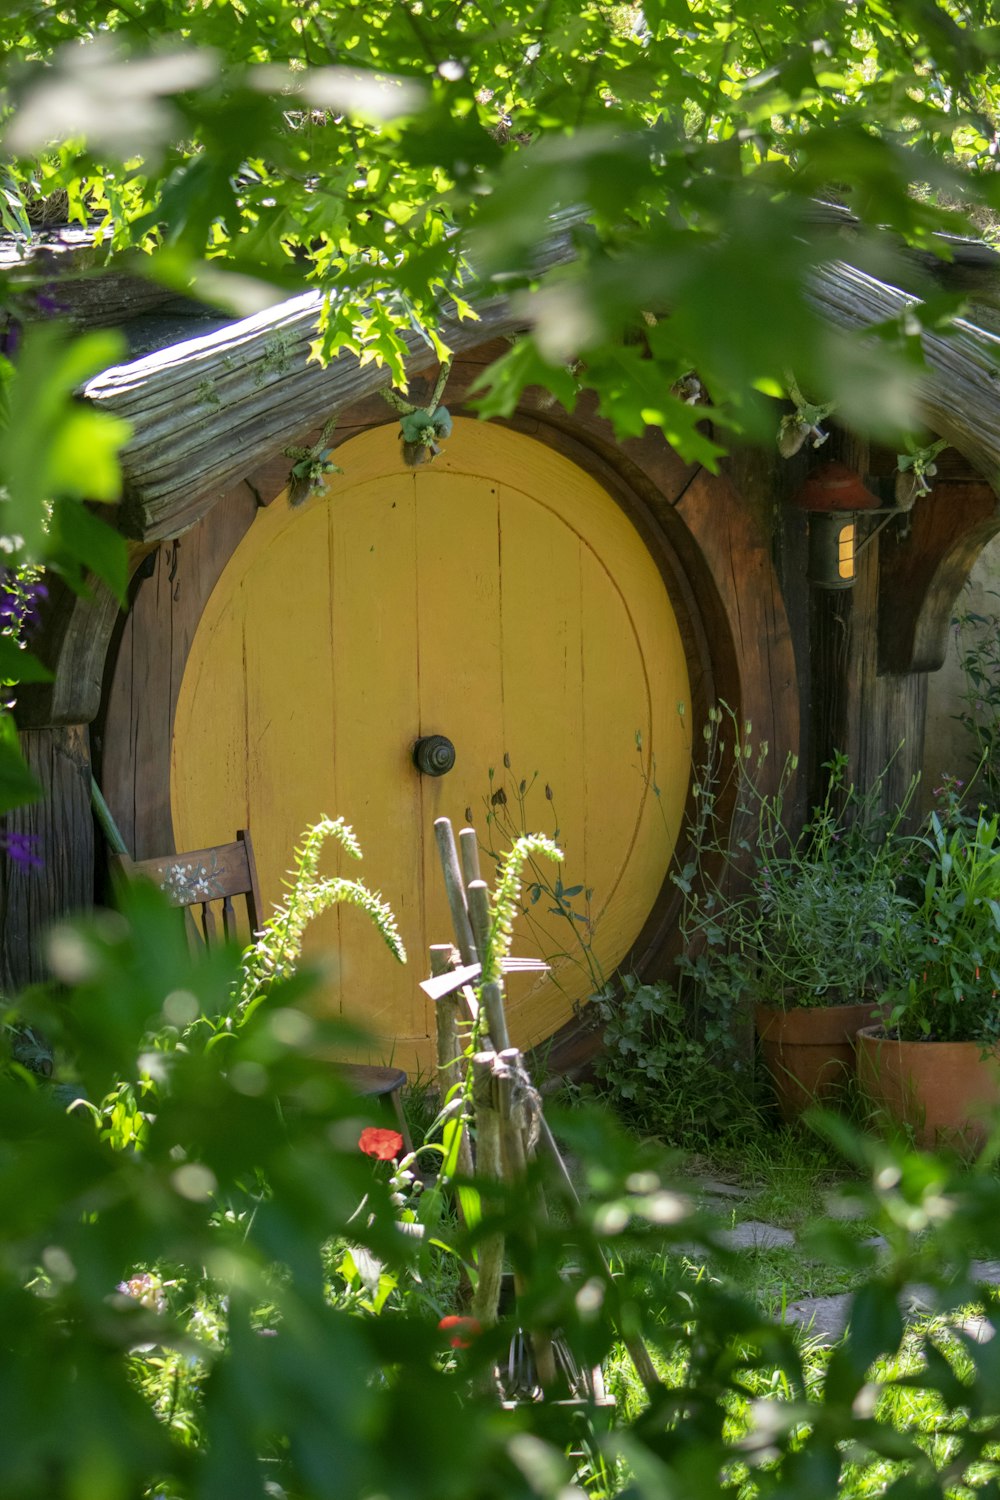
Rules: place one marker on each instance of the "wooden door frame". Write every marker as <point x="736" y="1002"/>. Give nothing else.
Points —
<point x="715" y="565"/>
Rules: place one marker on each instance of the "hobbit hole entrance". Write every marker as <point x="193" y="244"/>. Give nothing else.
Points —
<point x="500" y="599"/>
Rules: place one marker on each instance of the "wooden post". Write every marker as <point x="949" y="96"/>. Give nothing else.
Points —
<point x="450" y="1052"/>
<point x="861" y="706"/>
<point x="469" y="846"/>
<point x="62" y="825"/>
<point x="489" y="1168"/>
<point x="492" y="992"/>
<point x="841" y="621"/>
<point x="509" y="1069"/>
<point x="456" y="890"/>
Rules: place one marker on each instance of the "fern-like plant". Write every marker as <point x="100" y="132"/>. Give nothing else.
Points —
<point x="506" y="901"/>
<point x="277" y="948"/>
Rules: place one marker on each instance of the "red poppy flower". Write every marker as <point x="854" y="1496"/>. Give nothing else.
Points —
<point x="462" y="1330"/>
<point x="382" y="1144"/>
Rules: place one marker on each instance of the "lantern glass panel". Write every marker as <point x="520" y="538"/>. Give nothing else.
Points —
<point x="832" y="549"/>
<point x="845" y="552"/>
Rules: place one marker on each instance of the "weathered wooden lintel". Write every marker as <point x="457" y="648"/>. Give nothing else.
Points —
<point x="206" y="412"/>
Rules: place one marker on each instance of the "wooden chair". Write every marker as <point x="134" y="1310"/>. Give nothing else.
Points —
<point x="219" y="873"/>
<point x="202" y="877"/>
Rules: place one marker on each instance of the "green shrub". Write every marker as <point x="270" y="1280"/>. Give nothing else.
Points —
<point x="661" y="1075"/>
<point x="978" y="638"/>
<point x="945" y="984"/>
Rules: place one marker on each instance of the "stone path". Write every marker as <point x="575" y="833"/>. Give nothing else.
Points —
<point x="825" y="1318"/>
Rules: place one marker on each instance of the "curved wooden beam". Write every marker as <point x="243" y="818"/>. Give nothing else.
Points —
<point x="922" y="572"/>
<point x="208" y="411"/>
<point x="73" y="643"/>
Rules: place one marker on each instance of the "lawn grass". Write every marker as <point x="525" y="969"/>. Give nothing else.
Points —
<point x="790" y="1178"/>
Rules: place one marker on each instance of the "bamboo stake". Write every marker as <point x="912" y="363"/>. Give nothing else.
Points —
<point x="456" y="890"/>
<point x="469" y="846"/>
<point x="500" y="1142"/>
<point x="509" y="1065"/>
<point x="491" y="995"/>
<point x="450" y="1051"/>
<point x="108" y="825"/>
<point x="638" y="1353"/>
<point x="478" y="897"/>
<point x="489" y="1167"/>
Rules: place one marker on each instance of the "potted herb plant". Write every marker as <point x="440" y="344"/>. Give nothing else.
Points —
<point x="824" y="906"/>
<point x="806" y="933"/>
<point x="933" y="1065"/>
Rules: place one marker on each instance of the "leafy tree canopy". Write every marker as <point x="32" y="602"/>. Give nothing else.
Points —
<point x="389" y="151"/>
<point x="396" y="154"/>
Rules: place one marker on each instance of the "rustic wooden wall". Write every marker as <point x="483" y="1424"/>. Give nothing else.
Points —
<point x="810" y="671"/>
<point x="133" y="734"/>
<point x="871" y="647"/>
<point x="31" y="900"/>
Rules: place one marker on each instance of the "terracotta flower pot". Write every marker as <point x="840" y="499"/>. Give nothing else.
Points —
<point x="809" y="1051"/>
<point x="945" y="1092"/>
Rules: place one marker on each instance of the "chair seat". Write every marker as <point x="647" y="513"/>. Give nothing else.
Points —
<point x="372" y="1082"/>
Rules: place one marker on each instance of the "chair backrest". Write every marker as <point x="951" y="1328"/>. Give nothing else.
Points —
<point x="201" y="877"/>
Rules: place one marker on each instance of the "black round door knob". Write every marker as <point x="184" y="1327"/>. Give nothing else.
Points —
<point x="434" y="755"/>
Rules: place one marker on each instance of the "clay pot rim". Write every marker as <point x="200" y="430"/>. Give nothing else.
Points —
<point x="761" y="1006"/>
<point x="812" y="1025"/>
<point x="882" y="1034"/>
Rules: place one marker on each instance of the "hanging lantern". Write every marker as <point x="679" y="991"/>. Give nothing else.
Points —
<point x="832" y="549"/>
<point x="834" y="494"/>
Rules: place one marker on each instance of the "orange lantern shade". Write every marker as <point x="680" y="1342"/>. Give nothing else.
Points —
<point x="835" y="487"/>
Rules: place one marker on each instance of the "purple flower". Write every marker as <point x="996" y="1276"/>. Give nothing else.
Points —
<point x="48" y="304"/>
<point x="22" y="848"/>
<point x="10" y="337"/>
<point x="20" y="604"/>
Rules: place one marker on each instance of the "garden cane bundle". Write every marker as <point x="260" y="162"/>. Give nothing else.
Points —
<point x="479" y="1067"/>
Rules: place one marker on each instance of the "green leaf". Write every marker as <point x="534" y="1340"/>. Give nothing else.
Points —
<point x="508" y="377"/>
<point x="843" y="1379"/>
<point x="471" y="1204"/>
<point x="17" y="785"/>
<point x="83" y="455"/>
<point x="660" y="12"/>
<point x="78" y="537"/>
<point x="635" y="394"/>
<point x="52" y="447"/>
<point x="876" y="1325"/>
<point x="20" y="666"/>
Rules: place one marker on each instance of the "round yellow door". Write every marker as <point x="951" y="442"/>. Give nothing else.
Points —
<point x="499" y="598"/>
